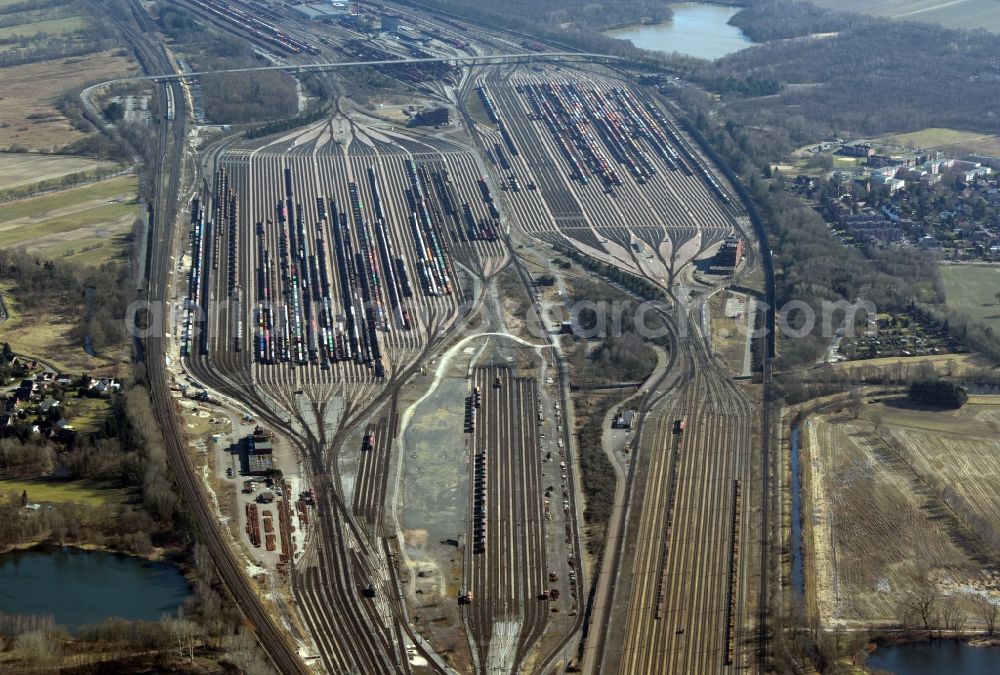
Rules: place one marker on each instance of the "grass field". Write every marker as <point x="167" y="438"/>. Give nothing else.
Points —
<point x="949" y="13"/>
<point x="937" y="138"/>
<point x="7" y="3"/>
<point x="69" y="24"/>
<point x="85" y="225"/>
<point x="18" y="169"/>
<point x="46" y="333"/>
<point x="78" y="492"/>
<point x="900" y="500"/>
<point x="86" y="414"/>
<point x="88" y="224"/>
<point x="944" y="364"/>
<point x="28" y="114"/>
<point x="972" y="290"/>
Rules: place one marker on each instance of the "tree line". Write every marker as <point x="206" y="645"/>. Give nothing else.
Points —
<point x="938" y="392"/>
<point x="71" y="180"/>
<point x="531" y="15"/>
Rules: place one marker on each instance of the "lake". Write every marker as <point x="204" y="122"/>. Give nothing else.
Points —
<point x="85" y="587"/>
<point x="698" y="29"/>
<point x="798" y="578"/>
<point x="936" y="657"/>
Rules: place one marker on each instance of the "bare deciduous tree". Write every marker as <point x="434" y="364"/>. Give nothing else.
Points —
<point x="38" y="648"/>
<point x="856" y="402"/>
<point x="242" y="651"/>
<point x="881" y="429"/>
<point x="987" y="612"/>
<point x="182" y="635"/>
<point x="952" y="616"/>
<point x="922" y="605"/>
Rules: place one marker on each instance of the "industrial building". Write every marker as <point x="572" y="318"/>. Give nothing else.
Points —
<point x="256" y="453"/>
<point x="390" y="24"/>
<point x="624" y="420"/>
<point x="730" y="254"/>
<point x="320" y="12"/>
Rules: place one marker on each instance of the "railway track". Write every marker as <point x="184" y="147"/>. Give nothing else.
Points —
<point x="584" y="216"/>
<point x="152" y="351"/>
<point x="347" y="584"/>
<point x="506" y="565"/>
<point x="682" y="581"/>
<point x="347" y="589"/>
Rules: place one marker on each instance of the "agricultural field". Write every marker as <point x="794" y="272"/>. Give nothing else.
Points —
<point x="972" y="290"/>
<point x="968" y="14"/>
<point x="900" y="500"/>
<point x="63" y="492"/>
<point x="951" y="365"/>
<point x="953" y="140"/>
<point x="53" y="27"/>
<point x="88" y="225"/>
<point x="29" y="116"/>
<point x="19" y="169"/>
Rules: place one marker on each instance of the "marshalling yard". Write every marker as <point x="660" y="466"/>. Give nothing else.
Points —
<point x="338" y="286"/>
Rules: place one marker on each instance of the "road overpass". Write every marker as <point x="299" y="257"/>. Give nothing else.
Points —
<point x="492" y="59"/>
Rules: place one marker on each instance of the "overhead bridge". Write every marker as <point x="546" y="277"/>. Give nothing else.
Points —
<point x="460" y="61"/>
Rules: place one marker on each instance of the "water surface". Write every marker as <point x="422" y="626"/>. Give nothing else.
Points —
<point x="936" y="657"/>
<point x="697" y="29"/>
<point x="84" y="587"/>
<point x="798" y="579"/>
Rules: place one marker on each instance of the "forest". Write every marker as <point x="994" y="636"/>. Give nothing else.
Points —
<point x="239" y="98"/>
<point x="583" y="15"/>
<point x="854" y="75"/>
<point x="98" y="296"/>
<point x="234" y="98"/>
<point x="944" y="393"/>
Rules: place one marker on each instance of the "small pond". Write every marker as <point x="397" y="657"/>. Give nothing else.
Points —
<point x="84" y="587"/>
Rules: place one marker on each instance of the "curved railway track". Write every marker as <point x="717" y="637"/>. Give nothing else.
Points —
<point x="346" y="585"/>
